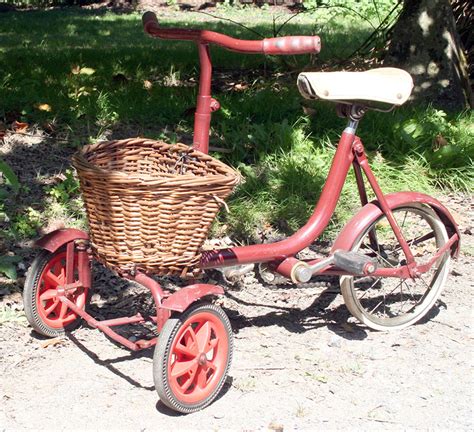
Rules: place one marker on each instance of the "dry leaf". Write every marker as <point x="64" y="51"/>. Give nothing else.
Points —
<point x="241" y="87"/>
<point x="43" y="107"/>
<point x="3" y="130"/>
<point x="86" y="71"/>
<point x="439" y="141"/>
<point x="19" y="127"/>
<point x="147" y="85"/>
<point x="52" y="342"/>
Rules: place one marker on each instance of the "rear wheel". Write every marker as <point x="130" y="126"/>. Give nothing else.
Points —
<point x="44" y="311"/>
<point x="192" y="358"/>
<point x="395" y="303"/>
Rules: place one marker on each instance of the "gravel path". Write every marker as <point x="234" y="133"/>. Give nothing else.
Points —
<point x="300" y="363"/>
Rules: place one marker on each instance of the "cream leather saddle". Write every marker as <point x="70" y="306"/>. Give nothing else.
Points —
<point x="387" y="85"/>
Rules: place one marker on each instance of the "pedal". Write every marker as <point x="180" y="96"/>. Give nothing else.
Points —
<point x="354" y="262"/>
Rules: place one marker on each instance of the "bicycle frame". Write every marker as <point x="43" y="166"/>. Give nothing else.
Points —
<point x="280" y="255"/>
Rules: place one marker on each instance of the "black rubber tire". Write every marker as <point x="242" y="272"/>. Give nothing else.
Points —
<point x="29" y="297"/>
<point x="163" y="352"/>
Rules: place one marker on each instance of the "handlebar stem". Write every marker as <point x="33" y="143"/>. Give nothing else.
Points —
<point x="286" y="45"/>
<point x="202" y="117"/>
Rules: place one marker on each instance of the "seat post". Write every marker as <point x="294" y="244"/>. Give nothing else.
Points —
<point x="353" y="113"/>
<point x="351" y="127"/>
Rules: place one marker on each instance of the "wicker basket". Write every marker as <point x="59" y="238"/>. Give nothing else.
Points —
<point x="150" y="204"/>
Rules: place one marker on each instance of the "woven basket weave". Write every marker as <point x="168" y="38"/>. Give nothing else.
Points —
<point x="150" y="204"/>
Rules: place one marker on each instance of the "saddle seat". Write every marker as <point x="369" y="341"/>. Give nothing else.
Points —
<point x="386" y="85"/>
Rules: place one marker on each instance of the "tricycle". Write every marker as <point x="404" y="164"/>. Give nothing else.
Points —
<point x="150" y="204"/>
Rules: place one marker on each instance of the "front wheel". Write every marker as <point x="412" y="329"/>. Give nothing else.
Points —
<point x="192" y="358"/>
<point x="45" y="312"/>
<point x="395" y="303"/>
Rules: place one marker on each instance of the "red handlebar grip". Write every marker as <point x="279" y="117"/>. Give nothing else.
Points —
<point x="292" y="45"/>
<point x="149" y="19"/>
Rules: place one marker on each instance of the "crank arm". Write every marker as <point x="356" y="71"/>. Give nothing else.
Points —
<point x="350" y="262"/>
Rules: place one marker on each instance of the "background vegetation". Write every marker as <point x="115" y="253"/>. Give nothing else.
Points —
<point x="72" y="76"/>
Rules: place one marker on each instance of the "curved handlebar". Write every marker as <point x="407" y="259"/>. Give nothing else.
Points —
<point x="273" y="46"/>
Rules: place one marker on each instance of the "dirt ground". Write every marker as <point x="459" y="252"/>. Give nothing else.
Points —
<point x="300" y="363"/>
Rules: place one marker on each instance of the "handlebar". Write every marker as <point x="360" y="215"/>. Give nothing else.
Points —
<point x="272" y="46"/>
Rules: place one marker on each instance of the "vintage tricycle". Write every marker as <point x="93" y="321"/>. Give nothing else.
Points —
<point x="150" y="204"/>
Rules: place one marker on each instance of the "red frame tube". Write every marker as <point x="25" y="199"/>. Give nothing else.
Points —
<point x="308" y="233"/>
<point x="364" y="164"/>
<point x="202" y="117"/>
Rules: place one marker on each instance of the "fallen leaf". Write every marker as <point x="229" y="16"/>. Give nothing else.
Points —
<point x="241" y="87"/>
<point x="52" y="342"/>
<point x="439" y="141"/>
<point x="19" y="127"/>
<point x="147" y="85"/>
<point x="87" y="71"/>
<point x="43" y="107"/>
<point x="3" y="130"/>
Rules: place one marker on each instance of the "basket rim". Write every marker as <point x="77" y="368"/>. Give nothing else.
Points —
<point x="229" y="176"/>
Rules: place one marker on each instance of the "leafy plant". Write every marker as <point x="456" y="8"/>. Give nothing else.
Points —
<point x="27" y="223"/>
<point x="10" y="178"/>
<point x="7" y="263"/>
<point x="67" y="189"/>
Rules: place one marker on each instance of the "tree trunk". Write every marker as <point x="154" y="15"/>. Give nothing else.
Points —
<point x="425" y="43"/>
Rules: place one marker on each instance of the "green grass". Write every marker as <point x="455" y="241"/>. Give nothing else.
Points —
<point x="93" y="73"/>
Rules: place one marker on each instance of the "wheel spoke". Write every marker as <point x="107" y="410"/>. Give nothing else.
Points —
<point x="51" y="308"/>
<point x="409" y="290"/>
<point x="378" y="254"/>
<point x="212" y="344"/>
<point x="368" y="289"/>
<point x="180" y="368"/>
<point x="383" y="300"/>
<point x="63" y="311"/>
<point x="417" y="240"/>
<point x="52" y="279"/>
<point x="190" y="351"/>
<point x="192" y="377"/>
<point x="423" y="280"/>
<point x="48" y="294"/>
<point x="203" y="336"/>
<point x="201" y="377"/>
<point x="404" y="219"/>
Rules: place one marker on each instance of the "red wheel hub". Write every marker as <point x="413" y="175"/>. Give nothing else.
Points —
<point x="198" y="359"/>
<point x="52" y="311"/>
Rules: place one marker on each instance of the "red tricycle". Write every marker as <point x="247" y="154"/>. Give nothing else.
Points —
<point x="392" y="257"/>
